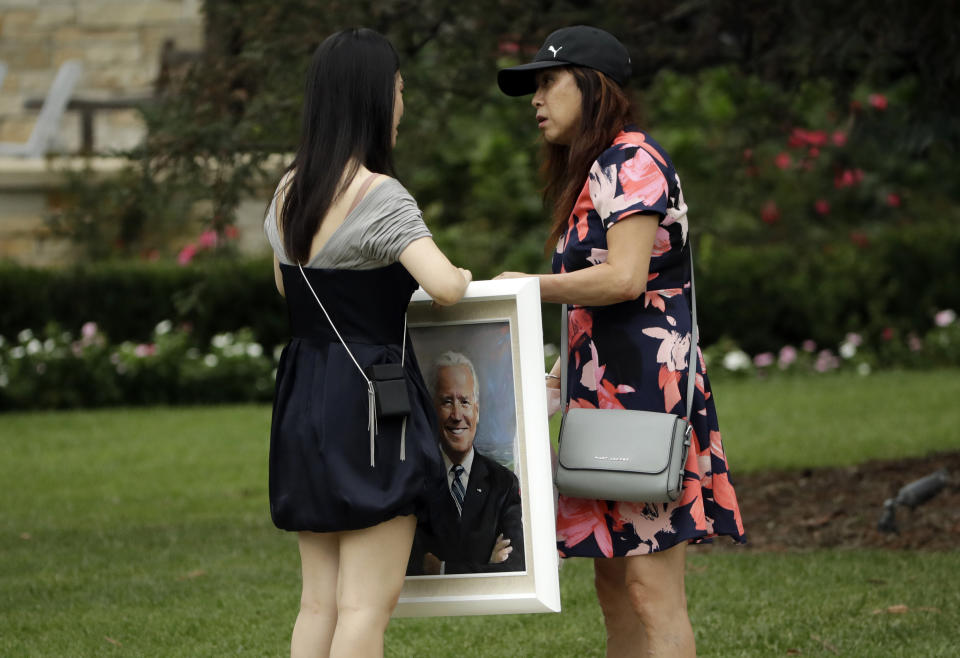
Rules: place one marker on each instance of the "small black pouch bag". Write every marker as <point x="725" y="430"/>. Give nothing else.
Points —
<point x="390" y="385"/>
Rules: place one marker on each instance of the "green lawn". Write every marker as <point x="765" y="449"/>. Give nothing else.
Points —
<point x="146" y="533"/>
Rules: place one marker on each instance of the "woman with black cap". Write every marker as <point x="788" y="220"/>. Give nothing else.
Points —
<point x="621" y="265"/>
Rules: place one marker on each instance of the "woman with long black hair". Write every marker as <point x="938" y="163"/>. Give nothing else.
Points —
<point x="620" y="263"/>
<point x="350" y="247"/>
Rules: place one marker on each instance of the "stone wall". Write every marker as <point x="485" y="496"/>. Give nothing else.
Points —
<point x="119" y="43"/>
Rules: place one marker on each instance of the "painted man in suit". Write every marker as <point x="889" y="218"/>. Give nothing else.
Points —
<point x="477" y="527"/>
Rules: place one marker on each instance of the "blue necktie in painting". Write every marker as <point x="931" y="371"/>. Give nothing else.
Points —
<point x="458" y="490"/>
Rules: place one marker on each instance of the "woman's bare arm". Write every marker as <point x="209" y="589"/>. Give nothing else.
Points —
<point x="443" y="281"/>
<point x="622" y="277"/>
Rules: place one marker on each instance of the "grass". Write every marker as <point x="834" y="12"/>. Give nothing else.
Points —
<point x="145" y="532"/>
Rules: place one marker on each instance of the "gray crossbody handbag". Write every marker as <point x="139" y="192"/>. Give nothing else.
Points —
<point x="625" y="454"/>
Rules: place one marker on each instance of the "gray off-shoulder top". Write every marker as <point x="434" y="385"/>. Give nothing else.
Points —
<point x="372" y="235"/>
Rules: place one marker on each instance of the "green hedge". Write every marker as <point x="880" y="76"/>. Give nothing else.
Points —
<point x="127" y="299"/>
<point x="761" y="296"/>
<point x="767" y="296"/>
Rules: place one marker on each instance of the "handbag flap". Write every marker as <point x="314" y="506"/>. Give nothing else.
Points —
<point x="618" y="440"/>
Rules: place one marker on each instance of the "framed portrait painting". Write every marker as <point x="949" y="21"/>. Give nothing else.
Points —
<point x="489" y="547"/>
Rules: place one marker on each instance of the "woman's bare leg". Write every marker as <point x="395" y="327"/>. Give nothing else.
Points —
<point x="626" y="636"/>
<point x="657" y="593"/>
<point x="373" y="562"/>
<point x="319" y="564"/>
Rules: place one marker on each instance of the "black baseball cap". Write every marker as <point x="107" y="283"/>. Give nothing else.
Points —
<point x="579" y="45"/>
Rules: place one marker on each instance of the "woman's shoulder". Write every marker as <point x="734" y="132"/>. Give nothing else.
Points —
<point x="388" y="195"/>
<point x="390" y="188"/>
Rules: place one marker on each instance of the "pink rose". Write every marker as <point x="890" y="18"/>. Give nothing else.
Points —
<point x="763" y="359"/>
<point x="186" y="254"/>
<point x="877" y="101"/>
<point x="207" y="239"/>
<point x="944" y="318"/>
<point x="788" y="354"/>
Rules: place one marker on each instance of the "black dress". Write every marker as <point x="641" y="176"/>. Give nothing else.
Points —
<point x="321" y="478"/>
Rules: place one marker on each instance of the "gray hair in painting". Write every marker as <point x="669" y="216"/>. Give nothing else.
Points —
<point x="452" y="358"/>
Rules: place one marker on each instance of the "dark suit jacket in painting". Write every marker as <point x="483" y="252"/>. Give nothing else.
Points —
<point x="491" y="507"/>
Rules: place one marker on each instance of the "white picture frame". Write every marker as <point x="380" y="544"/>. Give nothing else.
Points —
<point x="488" y="308"/>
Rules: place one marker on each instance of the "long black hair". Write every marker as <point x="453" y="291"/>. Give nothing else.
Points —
<point x="347" y="120"/>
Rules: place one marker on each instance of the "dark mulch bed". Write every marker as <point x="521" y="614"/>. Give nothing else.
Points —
<point x="840" y="507"/>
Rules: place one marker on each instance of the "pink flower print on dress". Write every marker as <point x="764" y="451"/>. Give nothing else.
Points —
<point x="726" y="498"/>
<point x="579" y="518"/>
<point x="602" y="182"/>
<point x="597" y="256"/>
<point x="669" y="382"/>
<point x="716" y="444"/>
<point x="674" y="348"/>
<point x="655" y="297"/>
<point x="641" y="180"/>
<point x="607" y="396"/>
<point x="581" y="324"/>
<point x="661" y="243"/>
<point x="582" y="227"/>
<point x="647" y="520"/>
<point x="592" y="371"/>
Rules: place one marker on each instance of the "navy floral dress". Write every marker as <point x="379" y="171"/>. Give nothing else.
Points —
<point x="634" y="355"/>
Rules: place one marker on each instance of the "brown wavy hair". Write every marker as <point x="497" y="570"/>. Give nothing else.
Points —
<point x="605" y="110"/>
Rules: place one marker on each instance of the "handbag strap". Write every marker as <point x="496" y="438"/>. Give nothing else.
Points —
<point x="694" y="342"/>
<point x="371" y="391"/>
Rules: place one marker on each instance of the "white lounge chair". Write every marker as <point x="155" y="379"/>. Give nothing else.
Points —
<point x="52" y="111"/>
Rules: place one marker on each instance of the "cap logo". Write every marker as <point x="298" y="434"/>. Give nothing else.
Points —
<point x="554" y="50"/>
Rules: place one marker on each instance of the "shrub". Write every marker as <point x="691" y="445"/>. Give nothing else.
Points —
<point x="127" y="299"/>
<point x="55" y="370"/>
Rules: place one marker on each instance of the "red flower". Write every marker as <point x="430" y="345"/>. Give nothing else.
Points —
<point x="821" y="206"/>
<point x="816" y="138"/>
<point x="848" y="178"/>
<point x="231" y="232"/>
<point x="207" y="239"/>
<point x="800" y="137"/>
<point x="860" y="239"/>
<point x="839" y="138"/>
<point x="770" y="213"/>
<point x="782" y="160"/>
<point x="747" y="154"/>
<point x="878" y="101"/>
<point x="893" y="200"/>
<point x="887" y="333"/>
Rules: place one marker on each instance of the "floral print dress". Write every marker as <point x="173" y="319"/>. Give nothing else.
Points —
<point x="633" y="355"/>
